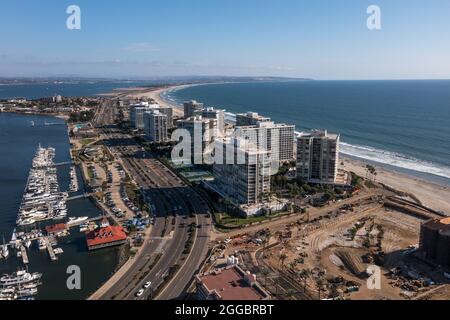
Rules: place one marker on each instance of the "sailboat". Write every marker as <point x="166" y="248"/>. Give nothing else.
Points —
<point x="32" y="123"/>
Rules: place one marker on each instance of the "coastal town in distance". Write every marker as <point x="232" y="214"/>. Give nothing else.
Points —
<point x="225" y="158"/>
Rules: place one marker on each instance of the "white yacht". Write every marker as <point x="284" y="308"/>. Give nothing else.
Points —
<point x="76" y="220"/>
<point x="18" y="278"/>
<point x="4" y="250"/>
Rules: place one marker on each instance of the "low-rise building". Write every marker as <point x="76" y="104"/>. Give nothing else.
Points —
<point x="230" y="283"/>
<point x="55" y="229"/>
<point x="106" y="236"/>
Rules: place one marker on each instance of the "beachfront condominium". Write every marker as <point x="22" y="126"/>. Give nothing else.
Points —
<point x="191" y="107"/>
<point x="243" y="177"/>
<point x="250" y="119"/>
<point x="155" y="126"/>
<point x="318" y="156"/>
<point x="137" y="113"/>
<point x="279" y="138"/>
<point x="211" y="113"/>
<point x="202" y="133"/>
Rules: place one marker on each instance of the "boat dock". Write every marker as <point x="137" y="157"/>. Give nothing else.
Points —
<point x="81" y="196"/>
<point x="51" y="252"/>
<point x="24" y="255"/>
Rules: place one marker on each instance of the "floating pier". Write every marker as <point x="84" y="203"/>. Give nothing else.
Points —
<point x="24" y="255"/>
<point x="51" y="252"/>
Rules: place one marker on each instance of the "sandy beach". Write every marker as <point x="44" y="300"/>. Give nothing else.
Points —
<point x="155" y="94"/>
<point x="432" y="195"/>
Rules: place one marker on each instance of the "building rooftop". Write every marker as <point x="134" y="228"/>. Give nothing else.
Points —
<point x="105" y="235"/>
<point x="318" y="133"/>
<point x="56" y="228"/>
<point x="231" y="283"/>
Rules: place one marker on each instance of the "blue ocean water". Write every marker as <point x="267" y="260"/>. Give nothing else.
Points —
<point x="403" y="124"/>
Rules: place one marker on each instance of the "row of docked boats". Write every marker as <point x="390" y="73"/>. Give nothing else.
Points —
<point x="73" y="180"/>
<point x="19" y="285"/>
<point x="42" y="199"/>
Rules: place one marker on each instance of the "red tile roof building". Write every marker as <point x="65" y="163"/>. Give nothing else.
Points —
<point x="106" y="237"/>
<point x="230" y="283"/>
<point x="56" y="228"/>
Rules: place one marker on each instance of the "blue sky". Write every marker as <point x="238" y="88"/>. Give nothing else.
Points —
<point x="321" y="39"/>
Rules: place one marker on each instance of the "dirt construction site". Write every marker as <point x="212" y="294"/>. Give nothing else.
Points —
<point x="364" y="250"/>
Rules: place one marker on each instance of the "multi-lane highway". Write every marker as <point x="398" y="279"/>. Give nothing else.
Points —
<point x="175" y="206"/>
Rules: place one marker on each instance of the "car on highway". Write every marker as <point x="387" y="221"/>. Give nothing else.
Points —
<point x="140" y="293"/>
<point x="147" y="284"/>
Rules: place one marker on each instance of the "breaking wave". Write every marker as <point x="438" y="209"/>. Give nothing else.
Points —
<point x="394" y="159"/>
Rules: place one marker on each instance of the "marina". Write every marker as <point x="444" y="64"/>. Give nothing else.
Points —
<point x="20" y="285"/>
<point x="17" y="128"/>
<point x="42" y="199"/>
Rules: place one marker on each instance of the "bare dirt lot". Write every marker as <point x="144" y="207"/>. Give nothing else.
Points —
<point x="337" y="252"/>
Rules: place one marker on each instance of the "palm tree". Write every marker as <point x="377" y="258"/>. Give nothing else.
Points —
<point x="265" y="273"/>
<point x="282" y="258"/>
<point x="319" y="283"/>
<point x="304" y="275"/>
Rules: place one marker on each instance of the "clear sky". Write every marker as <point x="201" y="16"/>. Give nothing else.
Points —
<point x="321" y="39"/>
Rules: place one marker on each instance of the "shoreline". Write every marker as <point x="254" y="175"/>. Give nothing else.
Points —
<point x="429" y="193"/>
<point x="157" y="95"/>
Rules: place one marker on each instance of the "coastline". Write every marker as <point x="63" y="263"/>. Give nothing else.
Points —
<point x="54" y="115"/>
<point x="430" y="194"/>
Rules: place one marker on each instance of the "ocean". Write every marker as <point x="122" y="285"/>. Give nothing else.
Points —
<point x="18" y="142"/>
<point x="403" y="125"/>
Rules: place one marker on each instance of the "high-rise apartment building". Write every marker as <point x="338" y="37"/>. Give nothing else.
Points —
<point x="137" y="113"/>
<point x="202" y="133"/>
<point x="211" y="113"/>
<point x="155" y="126"/>
<point x="245" y="179"/>
<point x="250" y="119"/>
<point x="191" y="108"/>
<point x="277" y="138"/>
<point x="318" y="156"/>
